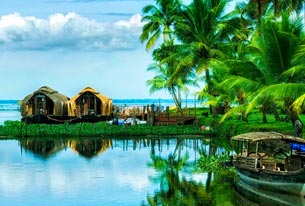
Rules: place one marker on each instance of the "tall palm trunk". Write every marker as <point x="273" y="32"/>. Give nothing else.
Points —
<point x="176" y="99"/>
<point x="264" y="111"/>
<point x="213" y="110"/>
<point x="292" y="113"/>
<point x="259" y="10"/>
<point x="276" y="114"/>
<point x="241" y="100"/>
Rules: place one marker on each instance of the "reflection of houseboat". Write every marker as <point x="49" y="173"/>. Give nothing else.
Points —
<point x="43" y="148"/>
<point x="48" y="106"/>
<point x="89" y="148"/>
<point x="271" y="161"/>
<point x="43" y="105"/>
<point x="91" y="106"/>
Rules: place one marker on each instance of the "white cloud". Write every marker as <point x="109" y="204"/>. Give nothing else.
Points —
<point x="68" y="31"/>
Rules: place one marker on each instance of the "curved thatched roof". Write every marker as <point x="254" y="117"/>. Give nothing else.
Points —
<point x="58" y="98"/>
<point x="106" y="105"/>
<point x="260" y="136"/>
<point x="48" y="91"/>
<point x="102" y="97"/>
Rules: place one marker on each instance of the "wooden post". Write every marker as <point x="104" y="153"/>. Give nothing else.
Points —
<point x="152" y="114"/>
<point x="159" y="110"/>
<point x="186" y="104"/>
<point x="148" y="116"/>
<point x="195" y="106"/>
<point x="143" y="112"/>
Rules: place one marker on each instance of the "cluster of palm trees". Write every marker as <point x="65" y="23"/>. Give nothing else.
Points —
<point x="250" y="54"/>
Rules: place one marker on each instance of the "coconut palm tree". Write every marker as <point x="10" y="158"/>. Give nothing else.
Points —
<point x="201" y="30"/>
<point x="256" y="9"/>
<point x="165" y="78"/>
<point x="276" y="54"/>
<point x="159" y="20"/>
<point x="276" y="50"/>
<point x="280" y="6"/>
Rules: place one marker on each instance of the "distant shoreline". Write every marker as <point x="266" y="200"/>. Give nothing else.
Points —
<point x="131" y="102"/>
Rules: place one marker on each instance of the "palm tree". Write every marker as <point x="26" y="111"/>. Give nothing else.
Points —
<point x="276" y="50"/>
<point x="280" y="6"/>
<point x="201" y="29"/>
<point x="165" y="78"/>
<point x="159" y="20"/>
<point x="275" y="56"/>
<point x="256" y="9"/>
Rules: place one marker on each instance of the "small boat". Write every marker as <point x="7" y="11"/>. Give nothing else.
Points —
<point x="246" y="194"/>
<point x="271" y="161"/>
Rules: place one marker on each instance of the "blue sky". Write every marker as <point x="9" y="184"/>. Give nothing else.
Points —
<point x="71" y="44"/>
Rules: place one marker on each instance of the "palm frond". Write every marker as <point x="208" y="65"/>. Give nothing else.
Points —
<point x="238" y="82"/>
<point x="298" y="104"/>
<point x="277" y="92"/>
<point x="295" y="72"/>
<point x="233" y="111"/>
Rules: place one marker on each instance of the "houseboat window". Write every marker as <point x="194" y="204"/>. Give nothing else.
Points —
<point x="40" y="99"/>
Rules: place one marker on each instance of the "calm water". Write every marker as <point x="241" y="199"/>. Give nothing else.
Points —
<point x="118" y="172"/>
<point x="88" y="172"/>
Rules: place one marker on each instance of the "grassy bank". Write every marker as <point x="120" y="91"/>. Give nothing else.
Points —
<point x="229" y="128"/>
<point x="16" y="129"/>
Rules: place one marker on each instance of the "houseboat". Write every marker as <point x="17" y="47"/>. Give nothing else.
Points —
<point x="90" y="106"/>
<point x="271" y="161"/>
<point x="48" y="106"/>
<point x="44" y="105"/>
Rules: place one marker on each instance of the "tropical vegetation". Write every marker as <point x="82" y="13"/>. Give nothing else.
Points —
<point x="249" y="55"/>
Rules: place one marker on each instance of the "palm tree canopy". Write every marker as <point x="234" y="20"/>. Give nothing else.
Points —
<point x="159" y="20"/>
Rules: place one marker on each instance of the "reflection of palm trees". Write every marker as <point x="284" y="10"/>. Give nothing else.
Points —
<point x="89" y="147"/>
<point x="43" y="148"/>
<point x="173" y="190"/>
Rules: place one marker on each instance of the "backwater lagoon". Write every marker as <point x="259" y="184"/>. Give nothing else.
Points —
<point x="121" y="171"/>
<point x="101" y="172"/>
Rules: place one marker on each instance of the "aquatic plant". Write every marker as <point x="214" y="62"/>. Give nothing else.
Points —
<point x="17" y="129"/>
<point x="212" y="163"/>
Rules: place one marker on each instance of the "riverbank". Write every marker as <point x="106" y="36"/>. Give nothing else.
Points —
<point x="204" y="127"/>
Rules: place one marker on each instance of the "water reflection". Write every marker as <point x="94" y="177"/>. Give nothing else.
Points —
<point x="248" y="195"/>
<point x="89" y="148"/>
<point x="138" y="171"/>
<point x="43" y="148"/>
<point x="175" y="190"/>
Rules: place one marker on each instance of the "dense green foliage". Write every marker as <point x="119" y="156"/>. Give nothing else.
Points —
<point x="250" y="57"/>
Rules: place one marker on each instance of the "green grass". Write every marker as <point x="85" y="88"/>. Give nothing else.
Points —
<point x="229" y="128"/>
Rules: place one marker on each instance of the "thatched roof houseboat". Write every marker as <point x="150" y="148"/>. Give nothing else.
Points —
<point x="43" y="105"/>
<point x="90" y="105"/>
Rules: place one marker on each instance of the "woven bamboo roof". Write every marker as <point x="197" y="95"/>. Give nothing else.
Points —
<point x="102" y="97"/>
<point x="260" y="136"/>
<point x="51" y="93"/>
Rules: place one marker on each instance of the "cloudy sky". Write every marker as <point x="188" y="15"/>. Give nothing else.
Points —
<point x="71" y="44"/>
